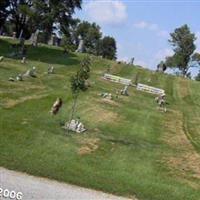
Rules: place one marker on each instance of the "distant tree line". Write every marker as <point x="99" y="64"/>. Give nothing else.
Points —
<point x="25" y="17"/>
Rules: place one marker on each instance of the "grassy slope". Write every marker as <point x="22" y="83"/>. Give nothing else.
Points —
<point x="130" y="148"/>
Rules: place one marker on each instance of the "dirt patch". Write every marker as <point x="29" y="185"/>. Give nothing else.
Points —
<point x="99" y="114"/>
<point x="184" y="159"/>
<point x="89" y="145"/>
<point x="9" y="103"/>
<point x="109" y="101"/>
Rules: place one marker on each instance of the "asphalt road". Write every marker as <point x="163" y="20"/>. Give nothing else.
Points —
<point x="44" y="189"/>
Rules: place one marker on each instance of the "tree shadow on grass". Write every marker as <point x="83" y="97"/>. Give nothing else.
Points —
<point x="42" y="53"/>
<point x="51" y="55"/>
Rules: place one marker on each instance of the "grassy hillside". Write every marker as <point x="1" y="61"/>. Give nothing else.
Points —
<point x="130" y="148"/>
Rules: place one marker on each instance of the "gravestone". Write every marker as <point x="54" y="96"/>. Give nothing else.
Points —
<point x="14" y="35"/>
<point x="52" y="40"/>
<point x="34" y="38"/>
<point x="1" y="58"/>
<point x="160" y="100"/>
<point x="51" y="70"/>
<point x="19" y="77"/>
<point x="30" y="73"/>
<point x="106" y="95"/>
<point x="23" y="61"/>
<point x="125" y="91"/>
<point x="80" y="48"/>
<point x="75" y="126"/>
<point x="11" y="79"/>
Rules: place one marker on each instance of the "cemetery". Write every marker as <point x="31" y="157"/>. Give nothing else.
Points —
<point x="99" y="100"/>
<point x="54" y="114"/>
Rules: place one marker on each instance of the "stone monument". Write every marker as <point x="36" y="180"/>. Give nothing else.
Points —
<point x="34" y="38"/>
<point x="80" y="48"/>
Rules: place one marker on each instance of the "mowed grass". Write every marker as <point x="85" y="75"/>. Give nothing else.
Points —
<point x="130" y="148"/>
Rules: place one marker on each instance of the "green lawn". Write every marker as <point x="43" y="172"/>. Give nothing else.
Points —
<point x="130" y="148"/>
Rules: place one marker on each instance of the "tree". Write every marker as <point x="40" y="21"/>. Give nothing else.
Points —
<point x="67" y="45"/>
<point x="107" y="48"/>
<point x="196" y="58"/>
<point x="30" y="15"/>
<point x="91" y="34"/>
<point x="19" y="14"/>
<point x="56" y="13"/>
<point x="93" y="41"/>
<point x="3" y="13"/>
<point x="183" y="42"/>
<point x="70" y="41"/>
<point x="78" y="82"/>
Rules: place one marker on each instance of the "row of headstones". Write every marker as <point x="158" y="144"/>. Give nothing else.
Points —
<point x="110" y="96"/>
<point x="30" y="73"/>
<point x="160" y="99"/>
<point x="54" y="40"/>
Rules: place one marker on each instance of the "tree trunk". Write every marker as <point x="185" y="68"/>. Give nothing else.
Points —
<point x="1" y="30"/>
<point x="47" y="33"/>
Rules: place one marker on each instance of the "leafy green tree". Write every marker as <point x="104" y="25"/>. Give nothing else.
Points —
<point x="107" y="48"/>
<point x="196" y="57"/>
<point x="183" y="42"/>
<point x="56" y="12"/>
<point x="78" y="82"/>
<point x="29" y="15"/>
<point x="91" y="34"/>
<point x="19" y="14"/>
<point x="67" y="44"/>
<point x="70" y="41"/>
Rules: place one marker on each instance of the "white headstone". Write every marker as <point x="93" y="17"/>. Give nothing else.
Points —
<point x="80" y="48"/>
<point x="34" y="38"/>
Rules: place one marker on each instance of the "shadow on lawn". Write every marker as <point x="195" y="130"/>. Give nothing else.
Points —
<point x="41" y="53"/>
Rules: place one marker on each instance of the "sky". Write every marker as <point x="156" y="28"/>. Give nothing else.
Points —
<point x="141" y="28"/>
